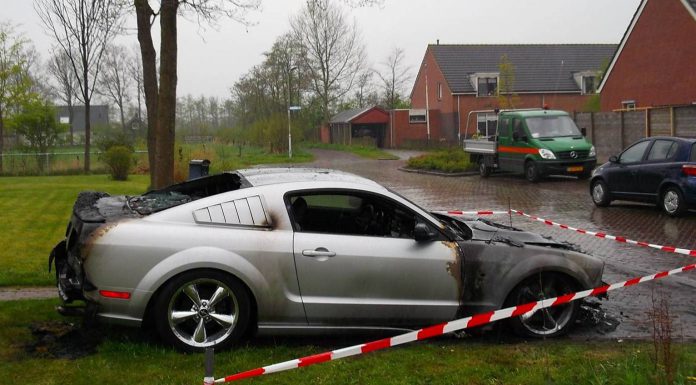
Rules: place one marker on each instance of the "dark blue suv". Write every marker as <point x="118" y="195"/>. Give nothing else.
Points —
<point x="659" y="170"/>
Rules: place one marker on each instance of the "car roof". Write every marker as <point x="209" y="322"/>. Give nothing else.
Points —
<point x="277" y="175"/>
<point x="687" y="140"/>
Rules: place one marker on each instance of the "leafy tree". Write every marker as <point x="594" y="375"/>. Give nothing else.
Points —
<point x="15" y="81"/>
<point x="37" y="123"/>
<point x="507" y="98"/>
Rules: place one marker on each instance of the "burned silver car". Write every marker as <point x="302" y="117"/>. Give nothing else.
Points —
<point x="289" y="249"/>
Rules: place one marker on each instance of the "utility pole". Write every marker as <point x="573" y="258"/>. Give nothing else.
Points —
<point x="290" y="108"/>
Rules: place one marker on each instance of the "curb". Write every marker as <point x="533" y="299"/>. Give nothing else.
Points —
<point x="438" y="173"/>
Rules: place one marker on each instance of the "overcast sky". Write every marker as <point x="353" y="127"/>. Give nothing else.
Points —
<point x="213" y="58"/>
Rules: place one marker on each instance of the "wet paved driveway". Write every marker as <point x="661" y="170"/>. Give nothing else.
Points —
<point x="565" y="200"/>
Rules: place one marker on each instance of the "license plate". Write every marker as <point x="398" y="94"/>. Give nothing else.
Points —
<point x="575" y="169"/>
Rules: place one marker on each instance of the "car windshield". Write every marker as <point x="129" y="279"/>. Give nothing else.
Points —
<point x="552" y="126"/>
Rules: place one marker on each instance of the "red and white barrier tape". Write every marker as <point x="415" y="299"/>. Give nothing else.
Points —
<point x="437" y="330"/>
<point x="617" y="238"/>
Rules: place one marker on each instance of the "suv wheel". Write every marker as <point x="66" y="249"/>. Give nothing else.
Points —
<point x="484" y="170"/>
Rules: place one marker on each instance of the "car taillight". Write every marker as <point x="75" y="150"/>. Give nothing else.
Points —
<point x="689" y="169"/>
<point x="115" y="294"/>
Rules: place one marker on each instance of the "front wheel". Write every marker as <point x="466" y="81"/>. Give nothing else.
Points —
<point x="600" y="194"/>
<point x="549" y="322"/>
<point x="673" y="202"/>
<point x="201" y="309"/>
<point x="531" y="171"/>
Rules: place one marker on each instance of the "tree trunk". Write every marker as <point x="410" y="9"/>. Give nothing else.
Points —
<point x="166" y="114"/>
<point x="70" y="119"/>
<point x="149" y="58"/>
<point x="88" y="134"/>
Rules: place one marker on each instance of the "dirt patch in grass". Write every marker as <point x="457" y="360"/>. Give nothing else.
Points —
<point x="56" y="339"/>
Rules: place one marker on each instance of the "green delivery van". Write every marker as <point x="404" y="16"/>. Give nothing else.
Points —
<point x="533" y="142"/>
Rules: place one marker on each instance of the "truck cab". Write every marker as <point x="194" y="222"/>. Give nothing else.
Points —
<point x="536" y="143"/>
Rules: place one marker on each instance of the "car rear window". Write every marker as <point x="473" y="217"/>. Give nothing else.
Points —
<point x="662" y="150"/>
<point x="693" y="153"/>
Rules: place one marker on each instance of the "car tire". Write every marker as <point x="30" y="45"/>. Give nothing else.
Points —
<point x="200" y="309"/>
<point x="484" y="170"/>
<point x="599" y="193"/>
<point x="531" y="171"/>
<point x="673" y="202"/>
<point x="543" y="323"/>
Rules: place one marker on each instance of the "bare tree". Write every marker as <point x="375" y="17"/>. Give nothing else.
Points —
<point x="394" y="78"/>
<point x="135" y="69"/>
<point x="65" y="85"/>
<point x="116" y="82"/>
<point x="160" y="99"/>
<point x="15" y="81"/>
<point x="333" y="48"/>
<point x="82" y="29"/>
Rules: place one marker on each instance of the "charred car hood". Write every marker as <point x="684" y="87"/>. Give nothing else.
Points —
<point x="488" y="231"/>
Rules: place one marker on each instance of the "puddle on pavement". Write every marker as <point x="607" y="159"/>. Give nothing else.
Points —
<point x="593" y="317"/>
<point x="56" y="339"/>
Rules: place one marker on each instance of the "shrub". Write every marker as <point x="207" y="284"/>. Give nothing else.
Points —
<point x="119" y="160"/>
<point x="453" y="160"/>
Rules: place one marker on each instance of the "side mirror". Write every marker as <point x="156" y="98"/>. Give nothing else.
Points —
<point x="421" y="233"/>
<point x="524" y="138"/>
<point x="583" y="131"/>
<point x="613" y="159"/>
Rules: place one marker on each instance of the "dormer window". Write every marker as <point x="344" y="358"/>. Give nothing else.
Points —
<point x="589" y="84"/>
<point x="487" y="86"/>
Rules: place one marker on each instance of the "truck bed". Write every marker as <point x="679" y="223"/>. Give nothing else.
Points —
<point x="480" y="146"/>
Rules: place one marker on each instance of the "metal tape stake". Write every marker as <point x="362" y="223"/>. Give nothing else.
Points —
<point x="209" y="378"/>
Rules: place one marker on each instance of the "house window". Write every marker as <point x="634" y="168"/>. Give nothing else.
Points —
<point x="416" y="116"/>
<point x="628" y="104"/>
<point x="64" y="120"/>
<point x="589" y="84"/>
<point x="486" y="123"/>
<point x="439" y="91"/>
<point x="487" y="86"/>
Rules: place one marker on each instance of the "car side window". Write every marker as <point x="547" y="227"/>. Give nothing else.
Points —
<point x="634" y="153"/>
<point x="662" y="150"/>
<point x="351" y="214"/>
<point x="693" y="153"/>
<point x="504" y="127"/>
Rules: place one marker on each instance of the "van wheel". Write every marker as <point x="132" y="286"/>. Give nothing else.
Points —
<point x="484" y="170"/>
<point x="531" y="171"/>
<point x="673" y="202"/>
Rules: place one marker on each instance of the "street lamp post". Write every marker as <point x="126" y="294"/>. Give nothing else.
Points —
<point x="290" y="108"/>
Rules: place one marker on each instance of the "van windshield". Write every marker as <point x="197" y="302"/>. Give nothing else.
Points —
<point x="552" y="126"/>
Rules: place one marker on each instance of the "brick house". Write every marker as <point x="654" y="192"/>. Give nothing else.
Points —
<point x="456" y="79"/>
<point x="655" y="63"/>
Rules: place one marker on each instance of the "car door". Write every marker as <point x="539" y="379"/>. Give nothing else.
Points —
<point x="516" y="151"/>
<point x="622" y="177"/>
<point x="656" y="167"/>
<point x="358" y="263"/>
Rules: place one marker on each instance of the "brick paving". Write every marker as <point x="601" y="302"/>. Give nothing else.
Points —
<point x="564" y="200"/>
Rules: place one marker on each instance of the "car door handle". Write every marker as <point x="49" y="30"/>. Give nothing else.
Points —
<point x="318" y="252"/>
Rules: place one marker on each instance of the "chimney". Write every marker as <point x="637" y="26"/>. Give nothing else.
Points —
<point x="438" y="41"/>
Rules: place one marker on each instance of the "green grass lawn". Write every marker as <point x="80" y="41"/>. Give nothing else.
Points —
<point x="34" y="214"/>
<point x="364" y="151"/>
<point x="127" y="356"/>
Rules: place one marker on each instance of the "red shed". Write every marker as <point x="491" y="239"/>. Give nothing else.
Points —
<point x="364" y="125"/>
